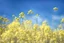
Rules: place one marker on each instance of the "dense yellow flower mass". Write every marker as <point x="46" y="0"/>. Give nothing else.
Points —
<point x="27" y="32"/>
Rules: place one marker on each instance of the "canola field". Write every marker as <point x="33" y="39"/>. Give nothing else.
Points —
<point x="27" y="32"/>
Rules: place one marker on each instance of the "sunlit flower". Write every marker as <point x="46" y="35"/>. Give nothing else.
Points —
<point x="27" y="32"/>
<point x="21" y="15"/>
<point x="30" y="12"/>
<point x="62" y="20"/>
<point x="1" y="17"/>
<point x="55" y="8"/>
<point x="60" y="26"/>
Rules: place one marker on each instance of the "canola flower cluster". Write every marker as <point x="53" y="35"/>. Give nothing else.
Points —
<point x="27" y="32"/>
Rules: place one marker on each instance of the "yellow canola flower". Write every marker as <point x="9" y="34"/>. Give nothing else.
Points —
<point x="16" y="33"/>
<point x="27" y="24"/>
<point x="53" y="40"/>
<point x="17" y="19"/>
<point x="22" y="33"/>
<point x="44" y="22"/>
<point x="46" y="34"/>
<point x="21" y="15"/>
<point x="35" y="26"/>
<point x="62" y="20"/>
<point x="28" y="21"/>
<point x="30" y="12"/>
<point x="5" y="20"/>
<point x="12" y="41"/>
<point x="60" y="26"/>
<point x="55" y="8"/>
<point x="14" y="24"/>
<point x="61" y="32"/>
<point x="47" y="28"/>
<point x="1" y="18"/>
<point x="42" y="27"/>
<point x="29" y="38"/>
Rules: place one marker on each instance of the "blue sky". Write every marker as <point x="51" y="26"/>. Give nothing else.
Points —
<point x="43" y="7"/>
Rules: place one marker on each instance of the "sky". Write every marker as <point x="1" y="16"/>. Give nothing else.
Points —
<point x="42" y="7"/>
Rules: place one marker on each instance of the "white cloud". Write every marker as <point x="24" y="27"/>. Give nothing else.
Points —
<point x="56" y="23"/>
<point x="40" y="19"/>
<point x="62" y="16"/>
<point x="34" y="19"/>
<point x="55" y="17"/>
